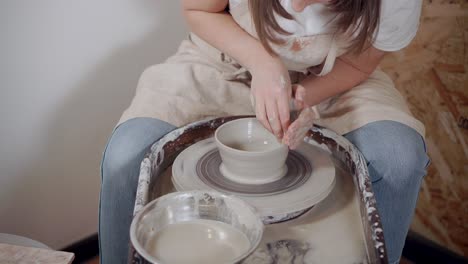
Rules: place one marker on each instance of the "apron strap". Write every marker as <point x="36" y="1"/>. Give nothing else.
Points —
<point x="330" y="60"/>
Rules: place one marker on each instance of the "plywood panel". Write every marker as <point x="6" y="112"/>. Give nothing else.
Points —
<point x="439" y="49"/>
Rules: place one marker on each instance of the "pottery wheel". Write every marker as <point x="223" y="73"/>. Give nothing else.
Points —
<point x="310" y="178"/>
<point x="299" y="171"/>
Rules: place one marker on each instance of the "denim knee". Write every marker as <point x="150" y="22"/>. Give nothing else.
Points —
<point x="128" y="145"/>
<point x="393" y="149"/>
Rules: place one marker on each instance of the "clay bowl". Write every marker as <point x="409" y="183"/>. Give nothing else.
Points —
<point x="187" y="207"/>
<point x="250" y="154"/>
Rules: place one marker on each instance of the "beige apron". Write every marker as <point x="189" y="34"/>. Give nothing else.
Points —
<point x="200" y="82"/>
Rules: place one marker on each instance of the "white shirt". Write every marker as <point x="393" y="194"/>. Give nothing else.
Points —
<point x="399" y="22"/>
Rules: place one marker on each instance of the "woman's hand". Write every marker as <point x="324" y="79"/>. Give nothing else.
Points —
<point x="271" y="91"/>
<point x="298" y="129"/>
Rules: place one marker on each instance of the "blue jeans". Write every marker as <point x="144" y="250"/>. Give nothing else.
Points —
<point x="395" y="154"/>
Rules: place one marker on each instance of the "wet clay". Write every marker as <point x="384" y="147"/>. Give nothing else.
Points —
<point x="198" y="241"/>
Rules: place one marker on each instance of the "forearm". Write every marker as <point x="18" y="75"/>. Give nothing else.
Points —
<point x="221" y="31"/>
<point x="348" y="72"/>
<point x="340" y="79"/>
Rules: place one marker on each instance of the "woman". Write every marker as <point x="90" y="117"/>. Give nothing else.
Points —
<point x="321" y="55"/>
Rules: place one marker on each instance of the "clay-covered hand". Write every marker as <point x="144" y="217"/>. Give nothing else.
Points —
<point x="298" y="129"/>
<point x="271" y="92"/>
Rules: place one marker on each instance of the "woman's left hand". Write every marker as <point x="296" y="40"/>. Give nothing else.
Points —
<point x="298" y="129"/>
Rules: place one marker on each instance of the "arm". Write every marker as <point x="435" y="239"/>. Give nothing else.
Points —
<point x="208" y="20"/>
<point x="349" y="71"/>
<point x="271" y="86"/>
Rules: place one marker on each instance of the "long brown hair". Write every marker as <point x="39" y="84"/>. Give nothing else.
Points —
<point x="359" y="19"/>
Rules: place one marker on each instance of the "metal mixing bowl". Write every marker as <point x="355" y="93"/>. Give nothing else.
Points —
<point x="186" y="206"/>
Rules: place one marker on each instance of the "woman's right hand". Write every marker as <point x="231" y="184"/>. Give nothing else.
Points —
<point x="271" y="91"/>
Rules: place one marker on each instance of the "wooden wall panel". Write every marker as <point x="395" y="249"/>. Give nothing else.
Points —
<point x="432" y="75"/>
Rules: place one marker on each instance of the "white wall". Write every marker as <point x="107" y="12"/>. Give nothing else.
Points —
<point x="67" y="71"/>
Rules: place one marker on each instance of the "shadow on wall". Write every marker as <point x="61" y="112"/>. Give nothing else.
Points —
<point x="79" y="131"/>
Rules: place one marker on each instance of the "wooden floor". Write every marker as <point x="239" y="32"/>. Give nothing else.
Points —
<point x="432" y="75"/>
<point x="93" y="261"/>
